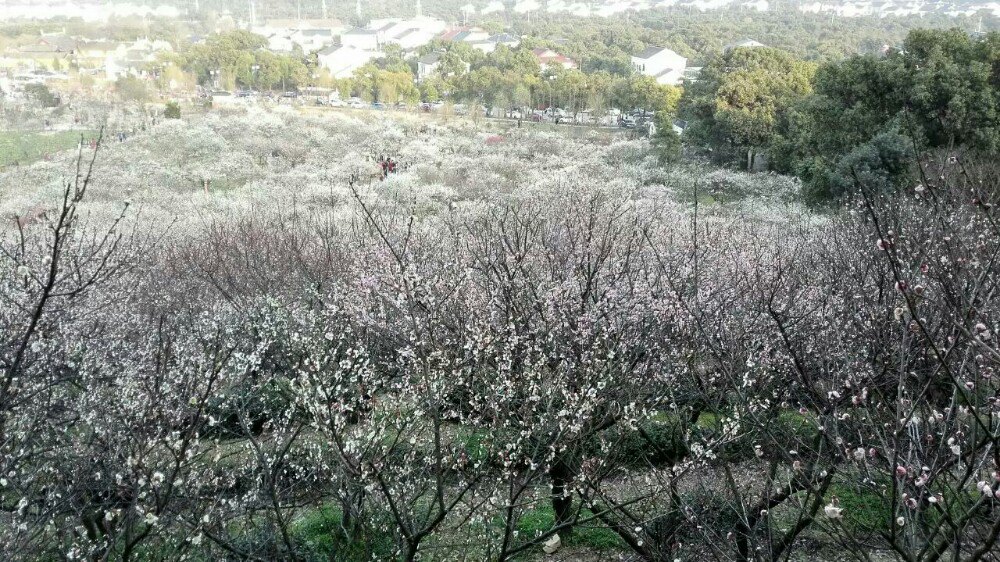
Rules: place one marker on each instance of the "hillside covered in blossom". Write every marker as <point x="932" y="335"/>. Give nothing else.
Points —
<point x="245" y="336"/>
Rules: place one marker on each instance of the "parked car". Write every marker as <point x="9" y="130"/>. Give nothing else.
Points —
<point x="378" y="105"/>
<point x="356" y="103"/>
<point x="336" y="103"/>
<point x="290" y="94"/>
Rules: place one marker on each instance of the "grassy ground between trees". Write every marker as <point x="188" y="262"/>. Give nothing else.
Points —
<point x="25" y="147"/>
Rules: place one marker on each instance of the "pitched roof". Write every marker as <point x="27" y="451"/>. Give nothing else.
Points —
<point x="358" y="31"/>
<point x="650" y="52"/>
<point x="549" y="56"/>
<point x="39" y="49"/>
<point x="316" y="32"/>
<point x="504" y="38"/>
<point x="746" y="43"/>
<point x="59" y="42"/>
<point x="302" y="24"/>
<point x="430" y="58"/>
<point x="51" y="44"/>
<point x="99" y="45"/>
<point x="459" y="33"/>
<point x="406" y="32"/>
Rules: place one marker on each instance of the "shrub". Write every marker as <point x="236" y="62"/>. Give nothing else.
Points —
<point x="881" y="165"/>
<point x="658" y="441"/>
<point x="250" y="403"/>
<point x="42" y="94"/>
<point x="172" y="111"/>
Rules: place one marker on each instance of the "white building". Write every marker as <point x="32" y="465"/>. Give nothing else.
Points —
<point x="309" y="34"/>
<point x="661" y="63"/>
<point x="465" y="34"/>
<point x="280" y="43"/>
<point x="407" y="33"/>
<point x="361" y="39"/>
<point x="489" y="45"/>
<point x="744" y="44"/>
<point x="548" y="58"/>
<point x="343" y="61"/>
<point x="312" y="39"/>
<point x="428" y="65"/>
<point x="134" y="58"/>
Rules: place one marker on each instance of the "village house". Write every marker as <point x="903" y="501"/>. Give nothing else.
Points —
<point x="280" y="43"/>
<point x="465" y="34"/>
<point x="547" y="58"/>
<point x="135" y="59"/>
<point x="57" y="50"/>
<point x="666" y="66"/>
<point x="428" y="65"/>
<point x="491" y="43"/>
<point x="98" y="50"/>
<point x="744" y="44"/>
<point x="361" y="39"/>
<point x="50" y="44"/>
<point x="342" y="61"/>
<point x="311" y="35"/>
<point x="409" y="34"/>
<point x="311" y="40"/>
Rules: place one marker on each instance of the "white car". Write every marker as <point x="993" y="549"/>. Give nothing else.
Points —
<point x="356" y="103"/>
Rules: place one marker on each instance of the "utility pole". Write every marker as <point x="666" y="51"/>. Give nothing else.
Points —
<point x="324" y="10"/>
<point x="357" y="11"/>
<point x="419" y="9"/>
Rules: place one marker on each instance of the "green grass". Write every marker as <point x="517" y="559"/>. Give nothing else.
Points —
<point x="320" y="536"/>
<point x="864" y="510"/>
<point x="476" y="444"/>
<point x="591" y="535"/>
<point x="25" y="147"/>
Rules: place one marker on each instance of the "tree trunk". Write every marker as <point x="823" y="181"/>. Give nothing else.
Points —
<point x="562" y="501"/>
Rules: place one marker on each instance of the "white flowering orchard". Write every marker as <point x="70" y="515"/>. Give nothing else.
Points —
<point x="235" y="338"/>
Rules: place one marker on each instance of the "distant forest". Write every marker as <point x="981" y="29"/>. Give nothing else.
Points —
<point x="603" y="43"/>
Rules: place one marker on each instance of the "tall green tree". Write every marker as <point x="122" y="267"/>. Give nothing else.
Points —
<point x="741" y="97"/>
<point x="942" y="90"/>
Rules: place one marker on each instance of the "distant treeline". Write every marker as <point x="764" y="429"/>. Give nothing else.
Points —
<point x="867" y="118"/>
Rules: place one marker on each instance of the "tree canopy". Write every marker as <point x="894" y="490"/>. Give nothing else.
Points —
<point x="941" y="90"/>
<point x="742" y="95"/>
